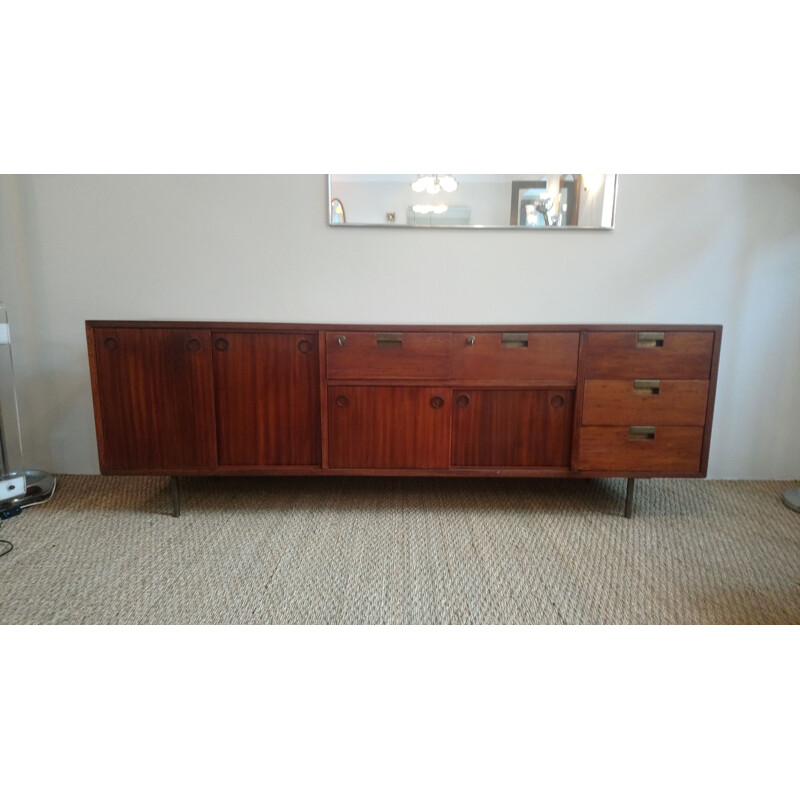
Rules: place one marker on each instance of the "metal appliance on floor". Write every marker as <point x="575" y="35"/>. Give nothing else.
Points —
<point x="19" y="487"/>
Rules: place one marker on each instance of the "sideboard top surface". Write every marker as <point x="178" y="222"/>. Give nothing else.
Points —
<point x="317" y="326"/>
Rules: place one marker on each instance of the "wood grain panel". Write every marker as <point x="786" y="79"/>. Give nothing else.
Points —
<point x="156" y="399"/>
<point x="512" y="428"/>
<point x="360" y="355"/>
<point x="267" y="391"/>
<point x="608" y="402"/>
<point x="674" y="449"/>
<point x="388" y="427"/>
<point x="547" y="356"/>
<point x="685" y="355"/>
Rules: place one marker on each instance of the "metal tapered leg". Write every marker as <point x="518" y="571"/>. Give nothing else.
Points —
<point x="629" y="499"/>
<point x="175" y="486"/>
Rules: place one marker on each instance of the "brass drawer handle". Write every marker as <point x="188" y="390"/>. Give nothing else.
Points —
<point x="514" y="340"/>
<point x="340" y="340"/>
<point x="390" y="339"/>
<point x="646" y="387"/>
<point x="650" y="339"/>
<point x="470" y="341"/>
<point x="638" y="433"/>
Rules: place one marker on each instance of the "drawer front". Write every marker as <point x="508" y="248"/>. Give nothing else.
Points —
<point x="625" y="449"/>
<point x="680" y="355"/>
<point x="644" y="402"/>
<point x="516" y="356"/>
<point x="356" y="355"/>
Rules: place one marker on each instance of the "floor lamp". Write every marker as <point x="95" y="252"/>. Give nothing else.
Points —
<point x="19" y="487"/>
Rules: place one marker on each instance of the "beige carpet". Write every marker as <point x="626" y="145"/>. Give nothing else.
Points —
<point x="411" y="551"/>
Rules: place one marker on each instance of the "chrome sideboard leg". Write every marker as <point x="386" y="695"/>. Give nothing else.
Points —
<point x="175" y="487"/>
<point x="629" y="499"/>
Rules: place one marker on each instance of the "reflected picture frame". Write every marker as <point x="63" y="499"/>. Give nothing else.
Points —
<point x="566" y="187"/>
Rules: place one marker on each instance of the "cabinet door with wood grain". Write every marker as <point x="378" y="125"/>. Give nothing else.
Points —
<point x="389" y="427"/>
<point x="155" y="400"/>
<point x="267" y="390"/>
<point x="512" y="427"/>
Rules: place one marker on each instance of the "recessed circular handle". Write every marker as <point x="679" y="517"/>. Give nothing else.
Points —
<point x="221" y="344"/>
<point x="462" y="401"/>
<point x="557" y="400"/>
<point x="111" y="343"/>
<point x="437" y="402"/>
<point x="193" y="345"/>
<point x="304" y="346"/>
<point x="342" y="401"/>
<point x="340" y="340"/>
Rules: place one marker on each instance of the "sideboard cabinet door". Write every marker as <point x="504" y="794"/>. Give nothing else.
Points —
<point x="267" y="390"/>
<point x="389" y="427"/>
<point x="512" y="427"/>
<point x="156" y="399"/>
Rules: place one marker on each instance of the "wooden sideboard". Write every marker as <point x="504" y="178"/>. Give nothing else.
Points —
<point x="192" y="398"/>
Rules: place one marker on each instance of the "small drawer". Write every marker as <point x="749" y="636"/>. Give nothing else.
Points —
<point x="516" y="356"/>
<point x="640" y="449"/>
<point x="681" y="355"/>
<point x="638" y="402"/>
<point x="379" y="355"/>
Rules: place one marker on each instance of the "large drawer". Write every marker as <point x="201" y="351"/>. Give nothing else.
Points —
<point x="516" y="356"/>
<point x="684" y="355"/>
<point x="628" y="449"/>
<point x="644" y="402"/>
<point x="357" y="355"/>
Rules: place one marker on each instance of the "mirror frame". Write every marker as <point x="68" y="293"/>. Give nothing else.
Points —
<point x="516" y="187"/>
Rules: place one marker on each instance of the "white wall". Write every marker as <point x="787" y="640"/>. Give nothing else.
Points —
<point x="686" y="249"/>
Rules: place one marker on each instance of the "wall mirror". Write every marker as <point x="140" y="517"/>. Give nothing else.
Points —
<point x="533" y="202"/>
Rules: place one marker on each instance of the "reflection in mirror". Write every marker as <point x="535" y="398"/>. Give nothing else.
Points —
<point x="534" y="205"/>
<point x="337" y="212"/>
<point x="474" y="201"/>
